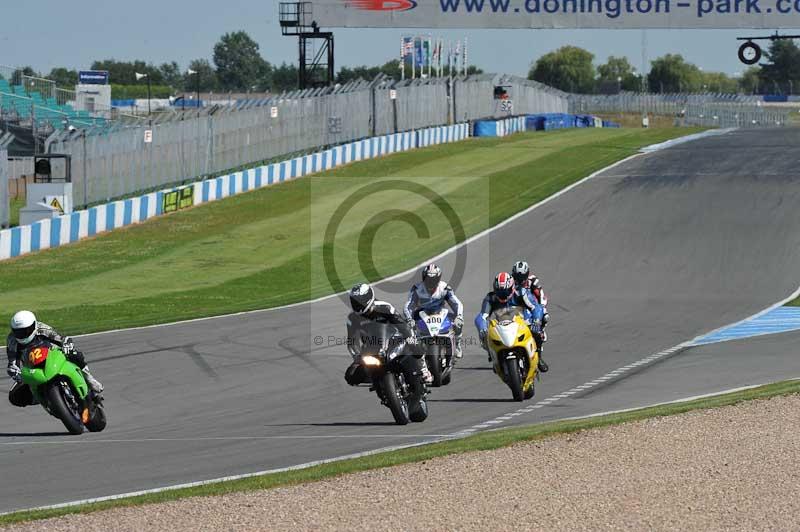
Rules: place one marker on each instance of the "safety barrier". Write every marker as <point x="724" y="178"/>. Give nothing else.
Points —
<point x="541" y="122"/>
<point x="499" y="128"/>
<point x="73" y="227"/>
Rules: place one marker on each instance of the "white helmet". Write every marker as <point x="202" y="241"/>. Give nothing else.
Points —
<point x="23" y="326"/>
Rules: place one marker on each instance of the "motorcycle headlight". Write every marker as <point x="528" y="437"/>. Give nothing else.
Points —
<point x="371" y="360"/>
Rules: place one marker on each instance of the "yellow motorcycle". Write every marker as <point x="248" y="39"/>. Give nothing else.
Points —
<point x="514" y="351"/>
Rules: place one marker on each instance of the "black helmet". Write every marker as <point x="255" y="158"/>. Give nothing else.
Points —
<point x="431" y="276"/>
<point x="362" y="297"/>
<point x="520" y="272"/>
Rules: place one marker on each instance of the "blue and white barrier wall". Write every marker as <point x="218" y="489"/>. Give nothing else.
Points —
<point x="499" y="128"/>
<point x="73" y="227"/>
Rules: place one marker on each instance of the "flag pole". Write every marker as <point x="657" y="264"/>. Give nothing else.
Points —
<point x="414" y="58"/>
<point x="402" y="58"/>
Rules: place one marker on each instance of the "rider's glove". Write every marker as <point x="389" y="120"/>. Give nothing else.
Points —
<point x="14" y="372"/>
<point x="459" y="322"/>
<point x="68" y="347"/>
<point x="482" y="336"/>
<point x="411" y="324"/>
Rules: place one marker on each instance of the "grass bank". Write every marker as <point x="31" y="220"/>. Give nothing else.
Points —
<point x="480" y="442"/>
<point x="265" y="248"/>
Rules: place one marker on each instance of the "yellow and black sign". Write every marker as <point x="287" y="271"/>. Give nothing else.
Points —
<point x="178" y="199"/>
<point x="57" y="205"/>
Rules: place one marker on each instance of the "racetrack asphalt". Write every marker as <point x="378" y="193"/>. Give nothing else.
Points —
<point x="653" y="252"/>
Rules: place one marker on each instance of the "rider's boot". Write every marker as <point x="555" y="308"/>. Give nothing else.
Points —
<point x="93" y="383"/>
<point x="355" y="374"/>
<point x="459" y="348"/>
<point x="543" y="367"/>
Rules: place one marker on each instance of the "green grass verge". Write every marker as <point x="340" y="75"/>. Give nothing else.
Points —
<point x="264" y="249"/>
<point x="13" y="215"/>
<point x="479" y="442"/>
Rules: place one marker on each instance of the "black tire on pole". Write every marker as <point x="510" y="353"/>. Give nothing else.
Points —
<point x="750" y="45"/>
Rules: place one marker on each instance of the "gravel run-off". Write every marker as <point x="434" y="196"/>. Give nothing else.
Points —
<point x="730" y="468"/>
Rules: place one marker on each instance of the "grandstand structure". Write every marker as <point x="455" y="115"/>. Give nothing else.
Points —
<point x="20" y="104"/>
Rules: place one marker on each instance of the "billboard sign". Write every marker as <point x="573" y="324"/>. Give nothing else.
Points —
<point x="93" y="77"/>
<point x="553" y="14"/>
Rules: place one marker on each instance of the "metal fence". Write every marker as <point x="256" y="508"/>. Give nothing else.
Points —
<point x="710" y="110"/>
<point x="118" y="160"/>
<point x="5" y="206"/>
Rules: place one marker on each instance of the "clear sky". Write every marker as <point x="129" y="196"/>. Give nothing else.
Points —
<point x="47" y="33"/>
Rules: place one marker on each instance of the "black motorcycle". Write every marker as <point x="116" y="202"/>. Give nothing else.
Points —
<point x="394" y="372"/>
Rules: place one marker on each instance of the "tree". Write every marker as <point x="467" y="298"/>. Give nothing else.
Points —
<point x="124" y="72"/>
<point x="672" y="73"/>
<point x="569" y="68"/>
<point x="207" y="76"/>
<point x="364" y="72"/>
<point x="239" y="64"/>
<point x="171" y="73"/>
<point x="16" y="75"/>
<point x="284" y="78"/>
<point x="618" y="72"/>
<point x="750" y="80"/>
<point x="64" y="77"/>
<point x="782" y="73"/>
<point x="719" y="82"/>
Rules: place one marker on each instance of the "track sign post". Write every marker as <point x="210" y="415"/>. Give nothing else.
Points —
<point x="148" y="136"/>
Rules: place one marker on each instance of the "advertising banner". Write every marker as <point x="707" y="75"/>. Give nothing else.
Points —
<point x="93" y="77"/>
<point x="178" y="199"/>
<point x="683" y="14"/>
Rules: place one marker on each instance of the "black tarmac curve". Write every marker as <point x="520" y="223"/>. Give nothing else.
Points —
<point x="647" y="255"/>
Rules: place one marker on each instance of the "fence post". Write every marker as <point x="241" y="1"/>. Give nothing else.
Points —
<point x="5" y="207"/>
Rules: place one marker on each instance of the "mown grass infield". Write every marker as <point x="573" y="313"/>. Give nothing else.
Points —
<point x="237" y="254"/>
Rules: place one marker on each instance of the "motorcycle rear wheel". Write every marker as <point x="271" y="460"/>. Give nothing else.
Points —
<point x="98" y="421"/>
<point x="398" y="405"/>
<point x="511" y="368"/>
<point x="58" y="407"/>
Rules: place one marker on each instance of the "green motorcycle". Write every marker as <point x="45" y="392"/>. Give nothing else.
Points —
<point x="59" y="386"/>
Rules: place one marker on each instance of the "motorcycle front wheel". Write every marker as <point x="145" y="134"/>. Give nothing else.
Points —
<point x="434" y="362"/>
<point x="511" y="368"/>
<point x="396" y="403"/>
<point x="60" y="409"/>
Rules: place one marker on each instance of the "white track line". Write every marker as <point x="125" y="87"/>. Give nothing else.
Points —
<point x="643" y="151"/>
<point x="620" y="372"/>
<point x="226" y="479"/>
<point x="463" y="434"/>
<point x="220" y="438"/>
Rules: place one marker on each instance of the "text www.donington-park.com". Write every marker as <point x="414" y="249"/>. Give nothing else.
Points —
<point x="617" y="8"/>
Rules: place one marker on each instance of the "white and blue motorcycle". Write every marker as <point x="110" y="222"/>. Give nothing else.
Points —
<point x="436" y="333"/>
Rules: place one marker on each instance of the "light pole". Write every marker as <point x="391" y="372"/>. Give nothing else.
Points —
<point x="139" y="77"/>
<point x="196" y="86"/>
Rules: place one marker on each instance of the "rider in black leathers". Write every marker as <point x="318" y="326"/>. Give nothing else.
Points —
<point x="368" y="309"/>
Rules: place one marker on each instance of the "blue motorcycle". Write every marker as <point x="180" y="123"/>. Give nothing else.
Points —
<point x="435" y="332"/>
